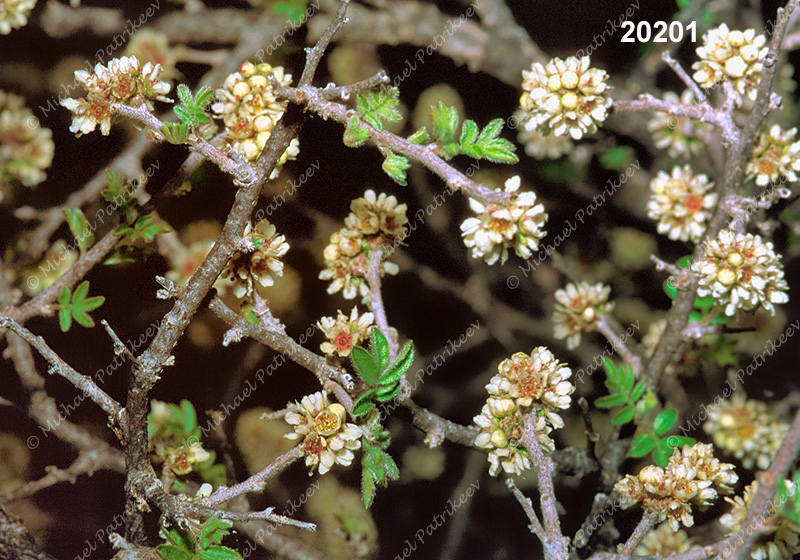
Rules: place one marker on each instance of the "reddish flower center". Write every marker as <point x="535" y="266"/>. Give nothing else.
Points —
<point x="313" y="445"/>
<point x="529" y="386"/>
<point x="343" y="341"/>
<point x="693" y="203"/>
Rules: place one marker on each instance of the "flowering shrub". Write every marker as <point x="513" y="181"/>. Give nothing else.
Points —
<point x="497" y="268"/>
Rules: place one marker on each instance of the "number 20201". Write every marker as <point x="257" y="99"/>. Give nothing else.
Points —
<point x="662" y="29"/>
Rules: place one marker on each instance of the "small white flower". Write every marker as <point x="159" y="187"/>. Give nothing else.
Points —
<point x="327" y="438"/>
<point x="496" y="228"/>
<point x="565" y="96"/>
<point x="576" y="310"/>
<point x="14" y="14"/>
<point x="774" y="154"/>
<point x="741" y="272"/>
<point x="343" y="333"/>
<point x="680" y="136"/>
<point x="681" y="203"/>
<point x="733" y="56"/>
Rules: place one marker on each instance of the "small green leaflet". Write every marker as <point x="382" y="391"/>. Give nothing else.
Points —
<point x="475" y="143"/>
<point x="620" y="384"/>
<point x="354" y="134"/>
<point x="79" y="228"/>
<point x="379" y="105"/>
<point x="293" y="10"/>
<point x="175" y="133"/>
<point x="181" y="544"/>
<point x="660" y="448"/>
<point x="376" y="371"/>
<point x="76" y="305"/>
<point x="377" y="468"/>
<point x="395" y="167"/>
<point x="192" y="110"/>
<point x="143" y="229"/>
<point x="617" y="158"/>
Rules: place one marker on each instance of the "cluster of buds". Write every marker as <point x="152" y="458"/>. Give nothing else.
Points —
<point x="14" y="14"/>
<point x="258" y="258"/>
<point x="26" y="149"/>
<point x="250" y="109"/>
<point x="497" y="227"/>
<point x="692" y="476"/>
<point x="782" y="539"/>
<point x="565" y="97"/>
<point x="374" y="222"/>
<point x="682" y="203"/>
<point x="121" y="82"/>
<point x="680" y="136"/>
<point x="535" y="384"/>
<point x="344" y="332"/>
<point x="747" y="429"/>
<point x="577" y="308"/>
<point x="774" y="154"/>
<point x="327" y="438"/>
<point x="180" y="460"/>
<point x="736" y="57"/>
<point x="741" y="272"/>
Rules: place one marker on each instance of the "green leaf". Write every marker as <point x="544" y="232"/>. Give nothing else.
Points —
<point x="80" y="292"/>
<point x="63" y="296"/>
<point x="115" y="182"/>
<point x="627" y="378"/>
<point x="670" y="289"/>
<point x="175" y="133"/>
<point x="203" y="97"/>
<point x="364" y="404"/>
<point x="185" y="94"/>
<point x="354" y="134"/>
<point x="469" y="133"/>
<point x="378" y="468"/>
<point x="380" y="347"/>
<point x="617" y="158"/>
<point x="395" y="167"/>
<point x="611" y="370"/>
<point x="379" y="105"/>
<point x="665" y="420"/>
<point x="642" y="445"/>
<point x="610" y="401"/>
<point x="678" y="441"/>
<point x="79" y="228"/>
<point x="367" y="486"/>
<point x="662" y="453"/>
<point x="293" y="11"/>
<point x="365" y="365"/>
<point x="82" y="318"/>
<point x="180" y="538"/>
<point x="184" y="114"/>
<point x="64" y="319"/>
<point x="387" y="393"/>
<point x="396" y="370"/>
<point x="218" y="552"/>
<point x="171" y="552"/>
<point x="638" y="391"/>
<point x="420" y="136"/>
<point x="623" y="416"/>
<point x="445" y="124"/>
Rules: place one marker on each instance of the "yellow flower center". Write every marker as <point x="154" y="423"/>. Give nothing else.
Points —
<point x="554" y="83"/>
<point x="589" y="314"/>
<point x="569" y="101"/>
<point x="569" y="79"/>
<point x="735" y="259"/>
<point x="726" y="276"/>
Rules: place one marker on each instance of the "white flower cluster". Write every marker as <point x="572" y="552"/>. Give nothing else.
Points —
<point x="258" y="259"/>
<point x="26" y="149"/>
<point x="741" y="272"/>
<point x="374" y="221"/>
<point x="692" y="476"/>
<point x="536" y="384"/>
<point x="123" y="82"/>
<point x="14" y="14"/>
<point x="681" y="203"/>
<point x="344" y="332"/>
<point x="565" y="96"/>
<point x="774" y="154"/>
<point x="249" y="108"/>
<point x="747" y="429"/>
<point x="680" y="136"/>
<point x="733" y="56"/>
<point x="496" y="228"/>
<point x="576" y="310"/>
